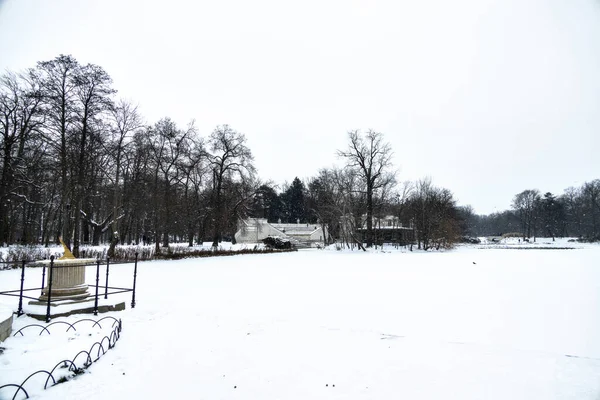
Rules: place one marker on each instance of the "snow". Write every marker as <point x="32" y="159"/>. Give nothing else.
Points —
<point x="546" y="243"/>
<point x="23" y="353"/>
<point x="5" y="313"/>
<point x="471" y="323"/>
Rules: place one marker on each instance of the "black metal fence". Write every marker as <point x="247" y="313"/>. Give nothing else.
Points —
<point x="20" y="293"/>
<point x="74" y="365"/>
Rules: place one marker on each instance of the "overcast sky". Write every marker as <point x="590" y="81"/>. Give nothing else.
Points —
<point x="487" y="97"/>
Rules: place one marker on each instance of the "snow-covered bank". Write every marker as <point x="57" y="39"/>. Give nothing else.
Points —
<point x="11" y="256"/>
<point x="465" y="324"/>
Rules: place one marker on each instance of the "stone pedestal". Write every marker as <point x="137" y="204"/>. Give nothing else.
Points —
<point x="38" y="309"/>
<point x="69" y="293"/>
<point x="6" y="320"/>
<point x="68" y="280"/>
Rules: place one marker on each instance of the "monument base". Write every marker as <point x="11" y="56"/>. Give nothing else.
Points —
<point x="6" y="320"/>
<point x="64" y="308"/>
<point x="76" y="292"/>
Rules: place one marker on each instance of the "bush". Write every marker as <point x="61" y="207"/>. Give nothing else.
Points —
<point x="13" y="256"/>
<point x="274" y="242"/>
<point x="19" y="253"/>
<point x="589" y="239"/>
<point x="470" y="240"/>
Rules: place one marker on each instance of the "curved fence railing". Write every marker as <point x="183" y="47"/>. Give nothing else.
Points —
<point x="78" y="364"/>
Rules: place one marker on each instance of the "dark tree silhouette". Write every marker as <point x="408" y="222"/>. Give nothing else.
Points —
<point x="371" y="158"/>
<point x="230" y="159"/>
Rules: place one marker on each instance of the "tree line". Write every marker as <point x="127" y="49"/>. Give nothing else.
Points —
<point x="79" y="163"/>
<point x="574" y="213"/>
<point x="363" y="191"/>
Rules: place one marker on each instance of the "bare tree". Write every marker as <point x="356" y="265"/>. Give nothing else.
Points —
<point x="434" y="215"/>
<point x="371" y="157"/>
<point x="591" y="195"/>
<point x="138" y="197"/>
<point x="574" y="213"/>
<point x="401" y="197"/>
<point x="125" y="121"/>
<point x="400" y="204"/>
<point x="526" y="204"/>
<point x="93" y="93"/>
<point x="59" y="96"/>
<point x="20" y="118"/>
<point x="322" y="203"/>
<point x="194" y="172"/>
<point x="230" y="159"/>
<point x="337" y="198"/>
<point x="169" y="148"/>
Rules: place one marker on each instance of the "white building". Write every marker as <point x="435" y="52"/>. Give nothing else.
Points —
<point x="388" y="229"/>
<point x="254" y="230"/>
<point x="387" y="222"/>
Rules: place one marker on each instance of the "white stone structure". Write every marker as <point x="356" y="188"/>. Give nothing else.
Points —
<point x="6" y="319"/>
<point x="386" y="222"/>
<point x="68" y="279"/>
<point x="254" y="230"/>
<point x="312" y="233"/>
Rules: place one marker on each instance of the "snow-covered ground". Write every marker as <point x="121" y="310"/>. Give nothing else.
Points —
<point x="471" y="323"/>
<point x="532" y="243"/>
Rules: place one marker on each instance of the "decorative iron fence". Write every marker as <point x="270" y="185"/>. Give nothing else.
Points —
<point x="113" y="290"/>
<point x="74" y="365"/>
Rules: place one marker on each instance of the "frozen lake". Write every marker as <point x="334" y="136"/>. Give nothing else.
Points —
<point x="467" y="324"/>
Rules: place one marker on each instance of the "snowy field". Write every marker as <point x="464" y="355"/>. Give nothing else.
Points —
<point x="473" y="323"/>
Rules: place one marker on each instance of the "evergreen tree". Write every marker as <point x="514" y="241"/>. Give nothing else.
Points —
<point x="293" y="201"/>
<point x="266" y="204"/>
<point x="553" y="215"/>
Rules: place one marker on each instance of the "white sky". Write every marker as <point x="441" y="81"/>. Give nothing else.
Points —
<point x="488" y="97"/>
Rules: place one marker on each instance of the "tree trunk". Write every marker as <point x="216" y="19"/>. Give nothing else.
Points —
<point x="114" y="234"/>
<point x="369" y="238"/>
<point x="167" y="214"/>
<point x="218" y="214"/>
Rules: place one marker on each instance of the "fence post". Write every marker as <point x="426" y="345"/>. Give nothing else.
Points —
<point x="106" y="287"/>
<point x="20" y="310"/>
<point x="134" y="280"/>
<point x="97" y="280"/>
<point x="43" y="279"/>
<point x="49" y="288"/>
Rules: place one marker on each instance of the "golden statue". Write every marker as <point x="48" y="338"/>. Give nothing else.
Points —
<point x="68" y="255"/>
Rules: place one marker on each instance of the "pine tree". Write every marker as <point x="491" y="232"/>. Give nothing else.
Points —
<point x="293" y="200"/>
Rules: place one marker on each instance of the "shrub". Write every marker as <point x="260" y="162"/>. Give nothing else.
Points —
<point x="274" y="242"/>
<point x="19" y="253"/>
<point x="15" y="254"/>
<point x="178" y="255"/>
<point x="589" y="239"/>
<point x="470" y="240"/>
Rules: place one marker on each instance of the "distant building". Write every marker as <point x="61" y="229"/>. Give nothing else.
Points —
<point x="387" y="222"/>
<point x="388" y="229"/>
<point x="254" y="230"/>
